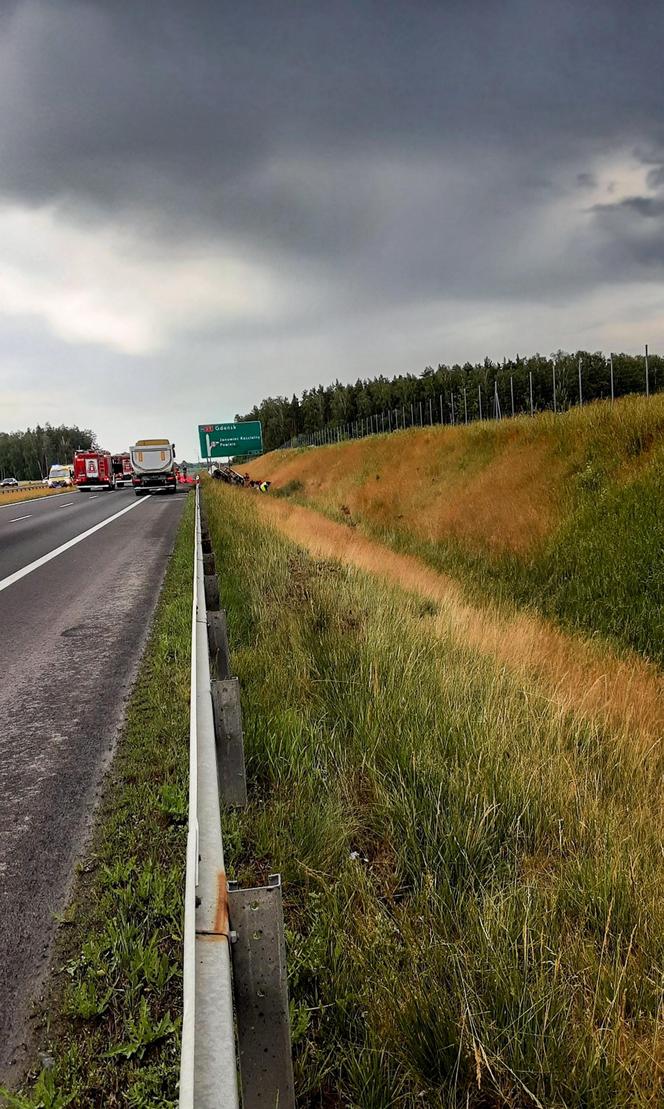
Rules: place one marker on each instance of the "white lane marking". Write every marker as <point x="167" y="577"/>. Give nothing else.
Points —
<point x="15" y="518"/>
<point x="18" y="574"/>
<point x="65" y="504"/>
<point x="94" y="497"/>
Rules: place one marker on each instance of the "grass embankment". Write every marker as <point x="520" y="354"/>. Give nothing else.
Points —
<point x="584" y="675"/>
<point x="473" y="878"/>
<point x="564" y="513"/>
<point x="112" y="1016"/>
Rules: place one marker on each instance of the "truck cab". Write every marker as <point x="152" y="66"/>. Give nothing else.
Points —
<point x="122" y="471"/>
<point x="93" y="470"/>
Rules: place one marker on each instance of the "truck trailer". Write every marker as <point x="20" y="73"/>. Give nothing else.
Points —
<point x="153" y="466"/>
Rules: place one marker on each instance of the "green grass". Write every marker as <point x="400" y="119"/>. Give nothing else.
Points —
<point x="601" y="570"/>
<point x="112" y="1015"/>
<point x="473" y="880"/>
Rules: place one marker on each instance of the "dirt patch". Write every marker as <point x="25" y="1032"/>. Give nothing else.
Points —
<point x="586" y="677"/>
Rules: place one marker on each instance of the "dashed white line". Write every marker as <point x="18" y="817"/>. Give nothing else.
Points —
<point x="15" y="518"/>
<point x="65" y="504"/>
<point x="6" y="582"/>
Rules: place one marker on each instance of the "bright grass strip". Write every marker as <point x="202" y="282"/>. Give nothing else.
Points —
<point x="473" y="877"/>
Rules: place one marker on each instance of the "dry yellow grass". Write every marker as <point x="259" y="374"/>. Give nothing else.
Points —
<point x="579" y="675"/>
<point x="435" y="485"/>
<point x="31" y="494"/>
<point x="496" y="487"/>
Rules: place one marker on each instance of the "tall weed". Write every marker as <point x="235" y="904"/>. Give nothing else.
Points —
<point x="473" y="878"/>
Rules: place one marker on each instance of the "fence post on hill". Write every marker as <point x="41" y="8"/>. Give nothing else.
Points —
<point x="580" y="387"/>
<point x="555" y="406"/>
<point x="530" y="381"/>
<point x="611" y="371"/>
<point x="452" y="401"/>
<point x="430" y="412"/>
<point x="420" y="413"/>
<point x="479" y="394"/>
<point x="465" y="406"/>
<point x="512" y="392"/>
<point x="647" y="375"/>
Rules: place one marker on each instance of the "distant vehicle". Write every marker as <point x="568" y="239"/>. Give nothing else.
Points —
<point x="153" y="465"/>
<point x="58" y="476"/>
<point x="9" y="481"/>
<point x="122" y="471"/>
<point x="93" y="470"/>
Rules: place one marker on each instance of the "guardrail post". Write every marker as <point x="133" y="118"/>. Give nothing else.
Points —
<point x="258" y="953"/>
<point x="230" y="741"/>
<point x="218" y="643"/>
<point x="211" y="586"/>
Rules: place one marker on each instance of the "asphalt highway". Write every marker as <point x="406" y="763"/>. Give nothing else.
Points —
<point x="72" y="631"/>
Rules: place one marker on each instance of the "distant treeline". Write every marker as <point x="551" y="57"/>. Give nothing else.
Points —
<point x="29" y="455"/>
<point x="457" y="392"/>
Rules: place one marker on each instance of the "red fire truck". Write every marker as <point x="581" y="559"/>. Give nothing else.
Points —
<point x="93" y="470"/>
<point x="122" y="471"/>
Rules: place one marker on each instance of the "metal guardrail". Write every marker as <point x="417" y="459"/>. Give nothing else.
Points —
<point x="208" y="1070"/>
<point x="22" y="488"/>
<point x="242" y="998"/>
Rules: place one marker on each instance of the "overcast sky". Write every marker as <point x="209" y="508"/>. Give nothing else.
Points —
<point x="205" y="203"/>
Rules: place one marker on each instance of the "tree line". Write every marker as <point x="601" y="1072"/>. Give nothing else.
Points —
<point x="28" y="455"/>
<point x="452" y="394"/>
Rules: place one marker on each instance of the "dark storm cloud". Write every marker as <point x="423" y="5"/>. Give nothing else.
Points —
<point x="632" y="235"/>
<point x="402" y="171"/>
<point x="290" y="126"/>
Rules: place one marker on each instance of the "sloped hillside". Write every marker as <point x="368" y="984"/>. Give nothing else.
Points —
<point x="564" y="513"/>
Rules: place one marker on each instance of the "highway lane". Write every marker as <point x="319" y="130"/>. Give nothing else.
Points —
<point x="71" y="635"/>
<point x="36" y="527"/>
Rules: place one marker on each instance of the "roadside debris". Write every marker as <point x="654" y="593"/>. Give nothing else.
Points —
<point x="232" y="477"/>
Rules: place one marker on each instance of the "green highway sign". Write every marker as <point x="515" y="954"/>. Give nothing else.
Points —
<point x="224" y="440"/>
